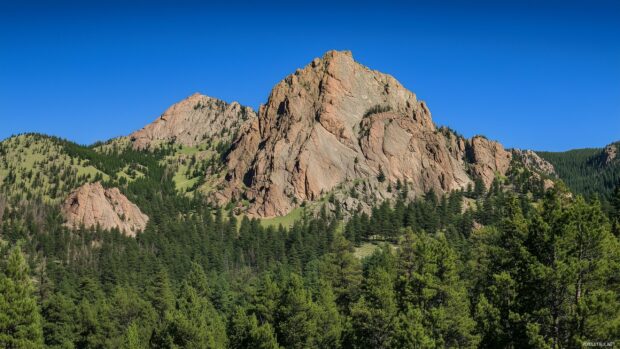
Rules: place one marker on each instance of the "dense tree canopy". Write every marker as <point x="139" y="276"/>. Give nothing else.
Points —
<point x="509" y="267"/>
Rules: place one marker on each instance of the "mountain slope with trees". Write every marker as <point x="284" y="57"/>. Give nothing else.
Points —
<point x="591" y="171"/>
<point x="503" y="271"/>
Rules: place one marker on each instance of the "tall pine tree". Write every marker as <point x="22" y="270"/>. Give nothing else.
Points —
<point x="20" y="321"/>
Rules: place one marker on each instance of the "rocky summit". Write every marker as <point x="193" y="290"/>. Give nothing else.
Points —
<point x="336" y="121"/>
<point x="194" y="120"/>
<point x="92" y="205"/>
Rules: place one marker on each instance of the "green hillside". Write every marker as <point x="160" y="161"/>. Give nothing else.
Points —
<point x="584" y="170"/>
<point x="35" y="166"/>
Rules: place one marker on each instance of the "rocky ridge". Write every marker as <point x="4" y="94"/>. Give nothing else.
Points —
<point x="194" y="120"/>
<point x="92" y="205"/>
<point x="533" y="161"/>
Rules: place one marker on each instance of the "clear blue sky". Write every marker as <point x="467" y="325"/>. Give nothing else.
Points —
<point x="531" y="74"/>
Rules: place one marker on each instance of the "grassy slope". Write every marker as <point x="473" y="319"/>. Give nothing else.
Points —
<point x="27" y="156"/>
<point x="180" y="162"/>
<point x="285" y="221"/>
<point x="34" y="165"/>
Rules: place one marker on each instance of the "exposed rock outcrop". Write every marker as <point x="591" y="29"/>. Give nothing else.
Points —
<point x="192" y="121"/>
<point x="91" y="205"/>
<point x="336" y="121"/>
<point x="534" y="162"/>
<point x="610" y="153"/>
<point x="488" y="159"/>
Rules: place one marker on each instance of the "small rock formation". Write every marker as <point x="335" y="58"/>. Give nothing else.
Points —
<point x="610" y="153"/>
<point x="336" y="121"/>
<point x="489" y="159"/>
<point x="194" y="120"/>
<point x="91" y="205"/>
<point x="534" y="162"/>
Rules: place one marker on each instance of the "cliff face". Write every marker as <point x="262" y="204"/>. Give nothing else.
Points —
<point x="196" y="119"/>
<point x="336" y="121"/>
<point x="91" y="205"/>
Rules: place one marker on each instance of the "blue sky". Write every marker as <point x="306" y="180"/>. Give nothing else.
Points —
<point x="531" y="74"/>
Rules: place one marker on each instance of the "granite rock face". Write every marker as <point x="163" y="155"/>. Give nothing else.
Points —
<point x="336" y="121"/>
<point x="91" y="205"/>
<point x="192" y="121"/>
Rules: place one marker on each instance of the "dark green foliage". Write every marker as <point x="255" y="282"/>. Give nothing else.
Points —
<point x="479" y="188"/>
<point x="246" y="332"/>
<point x="374" y="315"/>
<point x="20" y="320"/>
<point x="584" y="170"/>
<point x="427" y="214"/>
<point x="431" y="293"/>
<point x="59" y="329"/>
<point x="381" y="176"/>
<point x="376" y="109"/>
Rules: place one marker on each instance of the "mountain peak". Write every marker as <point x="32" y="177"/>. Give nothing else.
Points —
<point x="192" y="121"/>
<point x="336" y="121"/>
<point x="336" y="54"/>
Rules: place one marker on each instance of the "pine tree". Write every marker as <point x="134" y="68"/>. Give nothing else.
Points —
<point x="20" y="321"/>
<point x="246" y="332"/>
<point x="428" y="280"/>
<point x="132" y="338"/>
<point x="59" y="321"/>
<point x="615" y="203"/>
<point x="160" y="294"/>
<point x="374" y="315"/>
<point x="265" y="301"/>
<point x="615" y="212"/>
<point x="92" y="324"/>
<point x="381" y="176"/>
<point x="297" y="316"/>
<point x="587" y="251"/>
<point x="194" y="324"/>
<point x="329" y="319"/>
<point x="128" y="308"/>
<point x="197" y="279"/>
<point x="342" y="270"/>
